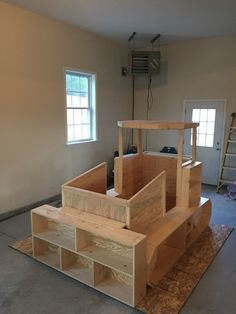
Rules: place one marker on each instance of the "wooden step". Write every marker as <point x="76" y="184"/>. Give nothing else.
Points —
<point x="230" y="154"/>
<point x="166" y="238"/>
<point x="232" y="141"/>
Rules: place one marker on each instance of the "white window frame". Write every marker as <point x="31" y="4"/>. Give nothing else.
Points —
<point x="91" y="104"/>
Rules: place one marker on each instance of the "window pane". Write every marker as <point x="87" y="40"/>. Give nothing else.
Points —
<point x="70" y="119"/>
<point x="84" y="84"/>
<point x="210" y="127"/>
<point x="201" y="139"/>
<point x="206" y="129"/>
<point x="85" y="132"/>
<point x="86" y="116"/>
<point x="203" y="115"/>
<point x="75" y="100"/>
<point x="209" y="140"/>
<point x="75" y="86"/>
<point x="70" y="133"/>
<point x="84" y="100"/>
<point x="68" y="100"/>
<point x="202" y="127"/>
<point x="77" y="116"/>
<point x="79" y="94"/>
<point x="196" y="115"/>
<point x="77" y="132"/>
<point x="211" y="115"/>
<point x="68" y="82"/>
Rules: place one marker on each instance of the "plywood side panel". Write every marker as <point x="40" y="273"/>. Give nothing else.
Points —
<point x="94" y="179"/>
<point x="95" y="203"/>
<point x="132" y="175"/>
<point x="154" y="165"/>
<point x="149" y="204"/>
<point x="140" y="271"/>
<point x="191" y="184"/>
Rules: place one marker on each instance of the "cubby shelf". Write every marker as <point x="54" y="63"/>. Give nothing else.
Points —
<point x="106" y="263"/>
<point x="57" y="237"/>
<point x="108" y="258"/>
<point x="116" y="289"/>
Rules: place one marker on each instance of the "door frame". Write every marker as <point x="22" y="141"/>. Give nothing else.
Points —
<point x="224" y="100"/>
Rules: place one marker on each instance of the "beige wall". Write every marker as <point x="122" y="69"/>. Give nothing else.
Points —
<point x="199" y="69"/>
<point x="34" y="159"/>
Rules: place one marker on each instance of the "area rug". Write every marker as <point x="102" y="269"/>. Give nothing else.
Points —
<point x="169" y="296"/>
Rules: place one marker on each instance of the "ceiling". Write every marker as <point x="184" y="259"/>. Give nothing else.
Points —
<point x="117" y="19"/>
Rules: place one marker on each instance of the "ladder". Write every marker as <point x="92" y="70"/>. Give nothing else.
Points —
<point x="225" y="167"/>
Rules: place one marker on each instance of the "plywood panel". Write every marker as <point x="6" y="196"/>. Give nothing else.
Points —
<point x="94" y="179"/>
<point x="154" y="165"/>
<point x="95" y="203"/>
<point x="191" y="184"/>
<point x="132" y="175"/>
<point x="148" y="205"/>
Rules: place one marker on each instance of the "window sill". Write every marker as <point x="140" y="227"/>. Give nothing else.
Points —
<point x="80" y="142"/>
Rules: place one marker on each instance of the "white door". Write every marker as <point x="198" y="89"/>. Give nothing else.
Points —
<point x="210" y="115"/>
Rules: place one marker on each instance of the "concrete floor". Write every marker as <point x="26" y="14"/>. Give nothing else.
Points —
<point x="29" y="287"/>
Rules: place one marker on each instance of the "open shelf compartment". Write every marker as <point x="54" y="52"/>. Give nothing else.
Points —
<point x="53" y="231"/>
<point x="105" y="251"/>
<point x="114" y="283"/>
<point x="77" y="267"/>
<point x="46" y="252"/>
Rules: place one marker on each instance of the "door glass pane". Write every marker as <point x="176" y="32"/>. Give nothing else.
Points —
<point x="203" y="115"/>
<point x="196" y="115"/>
<point x="206" y="129"/>
<point x="211" y="115"/>
<point x="202" y="127"/>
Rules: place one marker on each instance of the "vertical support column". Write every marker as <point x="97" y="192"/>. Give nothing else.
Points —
<point x="179" y="168"/>
<point x="139" y="141"/>
<point x="119" y="178"/>
<point x="194" y="142"/>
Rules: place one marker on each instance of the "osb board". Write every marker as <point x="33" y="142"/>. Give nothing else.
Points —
<point x="169" y="296"/>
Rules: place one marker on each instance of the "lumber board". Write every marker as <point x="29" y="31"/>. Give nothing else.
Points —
<point x="173" y="219"/>
<point x="95" y="203"/>
<point x="191" y="184"/>
<point x="154" y="165"/>
<point x="155" y="124"/>
<point x="148" y="205"/>
<point x="94" y="179"/>
<point x="122" y="236"/>
<point x="132" y="175"/>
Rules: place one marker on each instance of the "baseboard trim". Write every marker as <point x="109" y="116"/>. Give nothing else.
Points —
<point x="26" y="208"/>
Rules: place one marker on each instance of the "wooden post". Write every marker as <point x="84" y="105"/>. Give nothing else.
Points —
<point x="179" y="169"/>
<point x="120" y="161"/>
<point x="139" y="141"/>
<point x="194" y="142"/>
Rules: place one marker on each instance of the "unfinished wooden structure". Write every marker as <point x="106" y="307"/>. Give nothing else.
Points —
<point x="122" y="239"/>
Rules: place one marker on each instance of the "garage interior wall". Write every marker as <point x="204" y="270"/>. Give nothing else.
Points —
<point x="34" y="51"/>
<point x="196" y="69"/>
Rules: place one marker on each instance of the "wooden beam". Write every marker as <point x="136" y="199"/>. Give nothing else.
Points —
<point x="194" y="142"/>
<point x="119" y="174"/>
<point x="139" y="141"/>
<point x="179" y="168"/>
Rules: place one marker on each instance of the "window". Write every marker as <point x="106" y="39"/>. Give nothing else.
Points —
<point x="206" y="129"/>
<point x="80" y="107"/>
